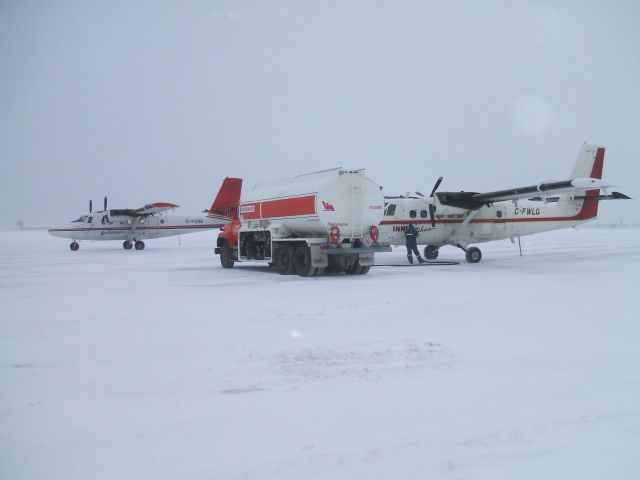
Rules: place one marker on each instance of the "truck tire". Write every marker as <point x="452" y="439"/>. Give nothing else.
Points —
<point x="284" y="259"/>
<point x="357" y="269"/>
<point x="303" y="262"/>
<point x="335" y="264"/>
<point x="226" y="256"/>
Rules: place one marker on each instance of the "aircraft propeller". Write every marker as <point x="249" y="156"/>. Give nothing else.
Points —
<point x="432" y="206"/>
<point x="90" y="205"/>
<point x="105" y="209"/>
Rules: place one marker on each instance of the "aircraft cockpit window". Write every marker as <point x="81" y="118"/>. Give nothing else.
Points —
<point x="81" y="219"/>
<point x="390" y="210"/>
<point x="413" y="213"/>
<point x="88" y="219"/>
<point x="423" y="214"/>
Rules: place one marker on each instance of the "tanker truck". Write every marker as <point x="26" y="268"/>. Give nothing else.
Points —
<point x="308" y="224"/>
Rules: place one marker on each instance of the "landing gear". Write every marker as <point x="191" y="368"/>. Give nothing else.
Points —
<point x="74" y="246"/>
<point x="127" y="244"/>
<point x="139" y="245"/>
<point x="431" y="252"/>
<point x="474" y="255"/>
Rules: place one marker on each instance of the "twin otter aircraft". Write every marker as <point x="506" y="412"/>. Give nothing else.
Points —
<point x="463" y="218"/>
<point x="133" y="225"/>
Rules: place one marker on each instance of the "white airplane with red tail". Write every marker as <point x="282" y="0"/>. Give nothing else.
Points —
<point x="463" y="218"/>
<point x="133" y="226"/>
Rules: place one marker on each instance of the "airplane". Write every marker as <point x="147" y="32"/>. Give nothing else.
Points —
<point x="464" y="218"/>
<point x="149" y="221"/>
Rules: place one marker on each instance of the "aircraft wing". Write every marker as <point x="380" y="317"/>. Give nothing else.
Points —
<point x="474" y="200"/>
<point x="153" y="208"/>
<point x="541" y="190"/>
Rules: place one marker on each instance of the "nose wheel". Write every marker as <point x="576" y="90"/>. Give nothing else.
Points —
<point x="431" y="252"/>
<point x="74" y="246"/>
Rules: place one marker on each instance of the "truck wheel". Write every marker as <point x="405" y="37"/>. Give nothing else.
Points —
<point x="284" y="259"/>
<point x="226" y="256"/>
<point x="302" y="261"/>
<point x="335" y="265"/>
<point x="357" y="269"/>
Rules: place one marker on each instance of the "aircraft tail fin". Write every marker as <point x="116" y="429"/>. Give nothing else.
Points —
<point x="589" y="165"/>
<point x="228" y="198"/>
<point x="589" y="162"/>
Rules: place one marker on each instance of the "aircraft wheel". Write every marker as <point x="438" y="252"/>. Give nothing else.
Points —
<point x="302" y="262"/>
<point x="474" y="255"/>
<point x="74" y="246"/>
<point x="284" y="259"/>
<point x="127" y="244"/>
<point x="431" y="252"/>
<point x="139" y="245"/>
<point x="226" y="256"/>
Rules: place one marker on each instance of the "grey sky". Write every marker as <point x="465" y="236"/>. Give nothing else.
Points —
<point x="148" y="101"/>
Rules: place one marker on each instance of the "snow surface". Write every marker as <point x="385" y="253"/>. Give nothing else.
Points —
<point x="161" y="365"/>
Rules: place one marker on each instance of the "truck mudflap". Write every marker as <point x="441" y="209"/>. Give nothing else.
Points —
<point x="319" y="258"/>
<point x="366" y="259"/>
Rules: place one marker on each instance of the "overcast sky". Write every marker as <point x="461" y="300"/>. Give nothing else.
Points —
<point x="159" y="101"/>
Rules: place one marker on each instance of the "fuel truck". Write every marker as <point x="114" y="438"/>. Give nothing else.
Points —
<point x="309" y="224"/>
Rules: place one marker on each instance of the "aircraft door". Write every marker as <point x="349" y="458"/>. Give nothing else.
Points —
<point x="153" y="223"/>
<point x="500" y="225"/>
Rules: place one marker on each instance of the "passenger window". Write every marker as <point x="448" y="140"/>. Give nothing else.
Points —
<point x="499" y="214"/>
<point x="423" y="214"/>
<point x="391" y="210"/>
<point x="413" y="214"/>
<point x="162" y="220"/>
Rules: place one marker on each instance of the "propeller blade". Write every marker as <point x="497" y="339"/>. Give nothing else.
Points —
<point x="105" y="203"/>
<point x="435" y="187"/>
<point x="432" y="213"/>
<point x="90" y="206"/>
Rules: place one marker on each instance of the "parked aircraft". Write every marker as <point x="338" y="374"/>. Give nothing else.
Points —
<point x="133" y="226"/>
<point x="464" y="218"/>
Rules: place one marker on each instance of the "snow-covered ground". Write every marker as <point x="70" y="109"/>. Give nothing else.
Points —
<point x="160" y="365"/>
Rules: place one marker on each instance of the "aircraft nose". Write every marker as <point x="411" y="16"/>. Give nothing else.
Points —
<point x="56" y="231"/>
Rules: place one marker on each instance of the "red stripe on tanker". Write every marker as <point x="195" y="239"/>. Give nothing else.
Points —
<point x="279" y="208"/>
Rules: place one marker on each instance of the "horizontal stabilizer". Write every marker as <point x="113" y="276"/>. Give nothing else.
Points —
<point x="613" y="196"/>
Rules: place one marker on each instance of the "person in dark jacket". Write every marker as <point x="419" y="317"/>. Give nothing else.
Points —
<point x="411" y="238"/>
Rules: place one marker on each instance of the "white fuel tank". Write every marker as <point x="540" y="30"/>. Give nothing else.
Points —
<point x="309" y="205"/>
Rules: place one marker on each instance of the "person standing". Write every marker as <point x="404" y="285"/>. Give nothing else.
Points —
<point x="411" y="239"/>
